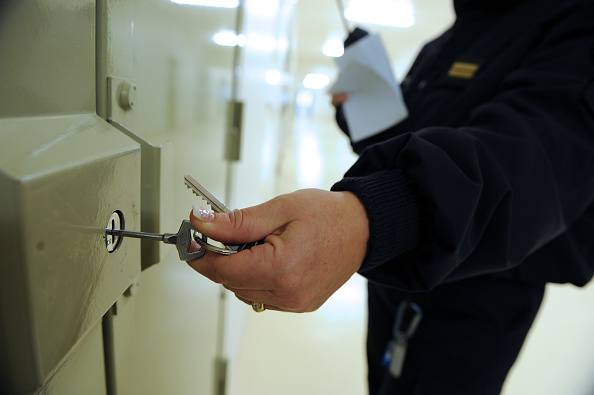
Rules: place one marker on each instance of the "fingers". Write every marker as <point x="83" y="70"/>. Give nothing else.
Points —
<point x="239" y="226"/>
<point x="267" y="273"/>
<point x="250" y="303"/>
<point x="339" y="98"/>
<point x="248" y="274"/>
<point x="243" y="270"/>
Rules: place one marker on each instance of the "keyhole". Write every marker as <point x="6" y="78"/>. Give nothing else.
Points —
<point x="111" y="237"/>
<point x="116" y="221"/>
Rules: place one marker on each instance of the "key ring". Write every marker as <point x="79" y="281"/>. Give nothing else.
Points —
<point x="209" y="247"/>
<point x="183" y="239"/>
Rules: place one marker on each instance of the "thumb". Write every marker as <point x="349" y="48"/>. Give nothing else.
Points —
<point x="237" y="226"/>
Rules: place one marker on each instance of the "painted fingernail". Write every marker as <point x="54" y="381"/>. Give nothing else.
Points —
<point x="203" y="214"/>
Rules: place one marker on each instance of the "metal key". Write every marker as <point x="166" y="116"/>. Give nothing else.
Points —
<point x="200" y="191"/>
<point x="218" y="207"/>
<point x="182" y="240"/>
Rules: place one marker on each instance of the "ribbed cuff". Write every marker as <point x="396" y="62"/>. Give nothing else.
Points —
<point x="393" y="210"/>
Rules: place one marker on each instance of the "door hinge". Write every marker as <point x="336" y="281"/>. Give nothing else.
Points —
<point x="221" y="375"/>
<point x="234" y="130"/>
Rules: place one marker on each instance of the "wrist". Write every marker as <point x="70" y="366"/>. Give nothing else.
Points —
<point x="357" y="230"/>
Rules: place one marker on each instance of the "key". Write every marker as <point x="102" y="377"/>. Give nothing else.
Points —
<point x="182" y="240"/>
<point x="217" y="207"/>
<point x="200" y="191"/>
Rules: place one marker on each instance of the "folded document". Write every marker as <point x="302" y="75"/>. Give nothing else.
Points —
<point x="375" y="100"/>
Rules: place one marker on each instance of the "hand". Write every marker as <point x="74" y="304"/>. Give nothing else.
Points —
<point x="314" y="242"/>
<point x="339" y="98"/>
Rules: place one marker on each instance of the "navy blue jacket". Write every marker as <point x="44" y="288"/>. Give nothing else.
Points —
<point x="493" y="171"/>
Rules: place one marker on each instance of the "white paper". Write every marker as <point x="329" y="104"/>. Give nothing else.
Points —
<point x="375" y="99"/>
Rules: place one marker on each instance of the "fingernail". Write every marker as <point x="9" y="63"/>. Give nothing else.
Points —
<point x="203" y="214"/>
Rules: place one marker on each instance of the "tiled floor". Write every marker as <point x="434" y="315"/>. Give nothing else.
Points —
<point x="322" y="353"/>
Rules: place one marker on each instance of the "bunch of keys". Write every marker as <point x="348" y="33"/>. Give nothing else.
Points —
<point x="186" y="233"/>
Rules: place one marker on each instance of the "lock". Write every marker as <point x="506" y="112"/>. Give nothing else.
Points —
<point x="116" y="221"/>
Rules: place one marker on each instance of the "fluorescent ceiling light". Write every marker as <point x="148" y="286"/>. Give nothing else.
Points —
<point x="259" y="42"/>
<point x="399" y="13"/>
<point x="210" y="3"/>
<point x="263" y="7"/>
<point x="228" y="39"/>
<point x="316" y="81"/>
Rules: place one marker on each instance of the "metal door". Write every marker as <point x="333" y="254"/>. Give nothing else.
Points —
<point x="63" y="172"/>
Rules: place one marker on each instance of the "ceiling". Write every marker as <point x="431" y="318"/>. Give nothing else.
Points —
<point x="317" y="20"/>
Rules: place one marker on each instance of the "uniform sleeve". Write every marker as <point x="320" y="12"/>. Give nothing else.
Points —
<point x="452" y="203"/>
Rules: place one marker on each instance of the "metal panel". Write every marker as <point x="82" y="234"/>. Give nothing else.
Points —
<point x="47" y="52"/>
<point x="63" y="171"/>
<point x="83" y="372"/>
<point x="60" y="180"/>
